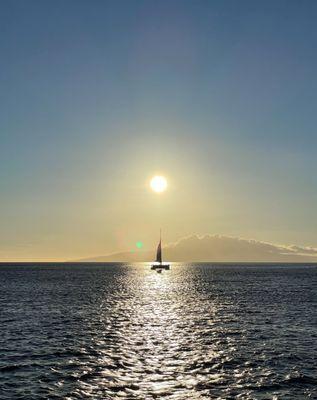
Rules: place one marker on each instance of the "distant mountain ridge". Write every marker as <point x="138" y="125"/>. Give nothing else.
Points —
<point x="217" y="248"/>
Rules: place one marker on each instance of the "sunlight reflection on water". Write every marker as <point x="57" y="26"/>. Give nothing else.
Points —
<point x="154" y="323"/>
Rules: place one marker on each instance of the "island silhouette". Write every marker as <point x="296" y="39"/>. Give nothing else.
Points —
<point x="216" y="248"/>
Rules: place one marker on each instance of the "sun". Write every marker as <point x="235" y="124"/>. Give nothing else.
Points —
<point x="158" y="184"/>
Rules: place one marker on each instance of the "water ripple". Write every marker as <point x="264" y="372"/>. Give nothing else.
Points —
<point x="126" y="332"/>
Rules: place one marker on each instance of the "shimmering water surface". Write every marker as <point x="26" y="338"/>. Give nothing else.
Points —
<point x="118" y="331"/>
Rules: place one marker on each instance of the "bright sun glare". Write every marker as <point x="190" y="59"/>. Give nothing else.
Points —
<point x="158" y="184"/>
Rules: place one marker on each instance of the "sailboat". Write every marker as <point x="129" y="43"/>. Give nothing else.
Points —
<point x="158" y="265"/>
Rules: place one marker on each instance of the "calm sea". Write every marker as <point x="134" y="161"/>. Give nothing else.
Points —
<point x="117" y="331"/>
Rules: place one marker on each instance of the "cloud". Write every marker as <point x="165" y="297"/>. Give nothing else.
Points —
<point x="303" y="250"/>
<point x="218" y="248"/>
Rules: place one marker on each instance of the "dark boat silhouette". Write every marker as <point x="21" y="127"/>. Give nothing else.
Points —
<point x="158" y="265"/>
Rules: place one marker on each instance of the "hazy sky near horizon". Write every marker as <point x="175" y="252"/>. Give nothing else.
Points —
<point x="98" y="96"/>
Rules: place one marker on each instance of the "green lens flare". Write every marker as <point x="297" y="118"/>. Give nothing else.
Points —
<point x="139" y="245"/>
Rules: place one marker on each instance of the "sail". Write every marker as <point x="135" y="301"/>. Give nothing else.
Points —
<point x="159" y="253"/>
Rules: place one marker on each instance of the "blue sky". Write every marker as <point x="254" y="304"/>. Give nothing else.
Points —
<point x="98" y="96"/>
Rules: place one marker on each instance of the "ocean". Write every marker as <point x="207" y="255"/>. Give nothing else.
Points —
<point x="120" y="331"/>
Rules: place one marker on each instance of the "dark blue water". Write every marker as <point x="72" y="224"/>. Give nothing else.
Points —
<point x="126" y="332"/>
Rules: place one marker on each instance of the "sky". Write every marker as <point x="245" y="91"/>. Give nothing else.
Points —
<point x="96" y="97"/>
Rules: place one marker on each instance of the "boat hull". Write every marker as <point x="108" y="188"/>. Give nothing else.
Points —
<point x="160" y="266"/>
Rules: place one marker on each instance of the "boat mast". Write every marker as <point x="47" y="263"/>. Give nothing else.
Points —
<point x="161" y="244"/>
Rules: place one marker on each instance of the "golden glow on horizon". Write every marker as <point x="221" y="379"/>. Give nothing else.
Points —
<point x="158" y="184"/>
